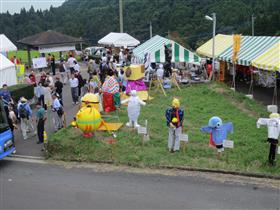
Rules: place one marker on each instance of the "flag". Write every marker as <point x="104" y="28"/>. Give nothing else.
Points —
<point x="236" y="47"/>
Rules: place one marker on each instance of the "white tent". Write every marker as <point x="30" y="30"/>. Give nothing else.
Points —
<point x="7" y="71"/>
<point x="6" y="45"/>
<point x="119" y="40"/>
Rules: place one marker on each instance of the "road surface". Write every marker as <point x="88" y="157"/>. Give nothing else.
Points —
<point x="45" y="186"/>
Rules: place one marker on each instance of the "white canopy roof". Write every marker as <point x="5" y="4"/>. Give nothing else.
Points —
<point x="6" y="45"/>
<point x="7" y="71"/>
<point x="119" y="40"/>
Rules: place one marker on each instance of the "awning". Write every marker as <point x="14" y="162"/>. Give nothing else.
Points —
<point x="155" y="47"/>
<point x="270" y="60"/>
<point x="222" y="42"/>
<point x="6" y="45"/>
<point x="251" y="48"/>
<point x="119" y="40"/>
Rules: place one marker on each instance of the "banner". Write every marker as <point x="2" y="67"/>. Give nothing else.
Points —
<point x="20" y="70"/>
<point x="39" y="62"/>
<point x="236" y="47"/>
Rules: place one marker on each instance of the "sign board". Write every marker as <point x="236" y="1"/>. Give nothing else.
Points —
<point x="272" y="108"/>
<point x="184" y="137"/>
<point x="278" y="150"/>
<point x="142" y="130"/>
<point x="228" y="144"/>
<point x="20" y="69"/>
<point x="39" y="62"/>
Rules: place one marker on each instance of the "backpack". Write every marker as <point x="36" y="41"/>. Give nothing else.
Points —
<point x="23" y="113"/>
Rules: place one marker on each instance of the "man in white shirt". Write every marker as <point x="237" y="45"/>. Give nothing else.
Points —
<point x="76" y="67"/>
<point x="71" y="63"/>
<point x="57" y="113"/>
<point x="74" y="84"/>
<point x="160" y="72"/>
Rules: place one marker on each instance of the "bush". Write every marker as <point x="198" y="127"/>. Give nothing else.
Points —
<point x="20" y="90"/>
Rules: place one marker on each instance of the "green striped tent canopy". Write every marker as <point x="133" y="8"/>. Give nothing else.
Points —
<point x="155" y="47"/>
<point x="251" y="48"/>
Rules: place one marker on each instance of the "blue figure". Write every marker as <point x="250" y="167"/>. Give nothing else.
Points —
<point x="219" y="132"/>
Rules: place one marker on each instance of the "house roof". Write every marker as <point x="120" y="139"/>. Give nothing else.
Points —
<point x="49" y="38"/>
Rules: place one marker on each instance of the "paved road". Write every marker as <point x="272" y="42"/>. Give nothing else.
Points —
<point x="38" y="186"/>
<point x="29" y="146"/>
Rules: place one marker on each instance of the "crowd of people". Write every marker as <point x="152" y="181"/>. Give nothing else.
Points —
<point x="103" y="79"/>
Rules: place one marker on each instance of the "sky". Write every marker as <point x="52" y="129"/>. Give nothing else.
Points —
<point x="14" y="6"/>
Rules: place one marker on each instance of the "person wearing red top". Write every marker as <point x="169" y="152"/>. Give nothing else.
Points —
<point x="15" y="60"/>
<point x="32" y="77"/>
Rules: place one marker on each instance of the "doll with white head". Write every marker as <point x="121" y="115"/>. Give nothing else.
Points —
<point x="133" y="109"/>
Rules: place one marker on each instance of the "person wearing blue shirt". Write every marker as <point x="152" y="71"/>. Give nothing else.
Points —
<point x="5" y="94"/>
<point x="25" y="115"/>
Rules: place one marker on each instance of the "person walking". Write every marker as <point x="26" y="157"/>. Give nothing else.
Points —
<point x="58" y="113"/>
<point x="40" y="120"/>
<point x="74" y="84"/>
<point x="58" y="89"/>
<point x="39" y="93"/>
<point x="53" y="64"/>
<point x="71" y="63"/>
<point x="62" y="71"/>
<point x="25" y="115"/>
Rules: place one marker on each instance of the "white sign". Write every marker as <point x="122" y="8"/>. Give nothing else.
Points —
<point x="278" y="150"/>
<point x="184" y="137"/>
<point x="142" y="130"/>
<point x="39" y="63"/>
<point x="228" y="144"/>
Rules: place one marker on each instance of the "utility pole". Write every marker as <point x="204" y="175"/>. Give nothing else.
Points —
<point x="151" y="29"/>
<point x="213" y="46"/>
<point x="121" y="15"/>
<point x="253" y="25"/>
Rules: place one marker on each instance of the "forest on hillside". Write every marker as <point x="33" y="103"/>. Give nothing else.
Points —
<point x="183" y="20"/>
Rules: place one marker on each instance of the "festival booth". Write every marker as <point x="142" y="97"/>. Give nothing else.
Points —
<point x="222" y="42"/>
<point x="155" y="47"/>
<point x="7" y="72"/>
<point x="119" y="40"/>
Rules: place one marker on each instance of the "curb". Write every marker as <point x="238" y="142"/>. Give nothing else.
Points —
<point x="205" y="170"/>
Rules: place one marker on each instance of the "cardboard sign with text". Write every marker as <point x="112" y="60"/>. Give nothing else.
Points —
<point x="142" y="130"/>
<point x="228" y="144"/>
<point x="278" y="150"/>
<point x="184" y="137"/>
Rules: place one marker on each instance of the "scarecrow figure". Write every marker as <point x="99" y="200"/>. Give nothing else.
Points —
<point x="273" y="126"/>
<point x="219" y="132"/>
<point x="174" y="119"/>
<point x="133" y="109"/>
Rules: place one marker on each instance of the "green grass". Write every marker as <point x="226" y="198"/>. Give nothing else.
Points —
<point x="22" y="54"/>
<point x="200" y="103"/>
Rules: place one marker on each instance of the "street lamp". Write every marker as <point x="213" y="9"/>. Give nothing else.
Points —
<point x="213" y="19"/>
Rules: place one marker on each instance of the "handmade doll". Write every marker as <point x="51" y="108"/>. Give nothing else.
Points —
<point x="273" y="126"/>
<point x="219" y="132"/>
<point x="174" y="120"/>
<point x="133" y="109"/>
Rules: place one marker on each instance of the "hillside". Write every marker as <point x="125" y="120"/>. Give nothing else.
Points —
<point x="182" y="19"/>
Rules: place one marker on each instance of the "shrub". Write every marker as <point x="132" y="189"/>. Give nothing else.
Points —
<point x="20" y="90"/>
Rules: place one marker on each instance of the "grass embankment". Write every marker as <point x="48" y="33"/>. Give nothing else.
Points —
<point x="200" y="103"/>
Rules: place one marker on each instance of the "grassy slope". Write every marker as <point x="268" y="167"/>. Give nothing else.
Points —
<point x="200" y="103"/>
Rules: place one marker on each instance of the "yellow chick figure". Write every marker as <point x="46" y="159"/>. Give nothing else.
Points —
<point x="88" y="118"/>
<point x="90" y="99"/>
